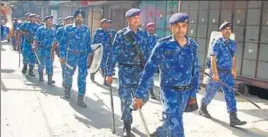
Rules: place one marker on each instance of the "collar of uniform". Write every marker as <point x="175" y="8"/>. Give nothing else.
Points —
<point x="129" y="29"/>
<point x="225" y="40"/>
<point x="75" y="26"/>
<point x="45" y="26"/>
<point x="148" y="33"/>
<point x="187" y="38"/>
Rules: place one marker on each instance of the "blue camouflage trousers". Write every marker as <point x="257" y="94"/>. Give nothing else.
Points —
<point x="45" y="60"/>
<point x="229" y="94"/>
<point x="76" y="60"/>
<point x="62" y="70"/>
<point x="128" y="82"/>
<point x="28" y="54"/>
<point x="174" y="103"/>
<point x="105" y="57"/>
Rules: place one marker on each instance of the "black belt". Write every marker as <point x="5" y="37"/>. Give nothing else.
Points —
<point x="181" y="88"/>
<point x="224" y="70"/>
<point x="45" y="47"/>
<point x="130" y="65"/>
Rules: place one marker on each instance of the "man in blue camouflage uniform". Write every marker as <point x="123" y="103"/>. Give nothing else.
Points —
<point x="57" y="43"/>
<point x="74" y="50"/>
<point x="39" y="20"/>
<point x="20" y="35"/>
<point x="152" y="39"/>
<point x="223" y="68"/>
<point x="43" y="40"/>
<point x="129" y="63"/>
<point x="176" y="57"/>
<point x="28" y="29"/>
<point x="60" y="23"/>
<point x="103" y="36"/>
<point x="13" y="39"/>
<point x="110" y="29"/>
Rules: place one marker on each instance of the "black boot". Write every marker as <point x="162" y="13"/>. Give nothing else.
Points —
<point x="152" y="94"/>
<point x="24" y="69"/>
<point x="92" y="77"/>
<point x="235" y="121"/>
<point x="127" y="128"/>
<point x="49" y="80"/>
<point x="67" y="94"/>
<point x="80" y="101"/>
<point x="203" y="111"/>
<point x="41" y="77"/>
<point x="31" y="72"/>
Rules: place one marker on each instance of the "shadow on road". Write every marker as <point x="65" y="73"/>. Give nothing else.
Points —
<point x="242" y="132"/>
<point x="7" y="70"/>
<point x="260" y="113"/>
<point x="96" y="113"/>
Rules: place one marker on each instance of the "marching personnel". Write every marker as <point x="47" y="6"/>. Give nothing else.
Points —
<point x="43" y="40"/>
<point x="28" y="30"/>
<point x="74" y="51"/>
<point x="39" y="20"/>
<point x="20" y="35"/>
<point x="152" y="39"/>
<point x="110" y="29"/>
<point x="127" y="53"/>
<point x="57" y="43"/>
<point x="176" y="57"/>
<point x="13" y="39"/>
<point x="60" y="23"/>
<point x="223" y="67"/>
<point x="102" y="35"/>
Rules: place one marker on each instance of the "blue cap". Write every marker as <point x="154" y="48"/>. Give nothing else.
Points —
<point x="179" y="18"/>
<point x="79" y="11"/>
<point x="150" y="24"/>
<point x="103" y="20"/>
<point x="38" y="16"/>
<point x="132" y="12"/>
<point x="69" y="17"/>
<point x="224" y="25"/>
<point x="27" y="14"/>
<point x="32" y="15"/>
<point x="109" y="21"/>
<point x="47" y="17"/>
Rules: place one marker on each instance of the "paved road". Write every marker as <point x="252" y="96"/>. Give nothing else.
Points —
<point x="33" y="109"/>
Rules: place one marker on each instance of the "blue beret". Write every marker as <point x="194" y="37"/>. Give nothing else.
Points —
<point x="179" y="18"/>
<point x="79" y="11"/>
<point x="32" y="15"/>
<point x="224" y="25"/>
<point x="69" y="17"/>
<point x="47" y="17"/>
<point x="109" y="21"/>
<point x="132" y="12"/>
<point x="103" y="20"/>
<point x="150" y="24"/>
<point x="27" y="14"/>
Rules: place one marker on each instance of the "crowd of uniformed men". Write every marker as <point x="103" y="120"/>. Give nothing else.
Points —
<point x="140" y="54"/>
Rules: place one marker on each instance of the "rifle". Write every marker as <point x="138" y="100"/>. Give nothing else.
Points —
<point x="130" y="36"/>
